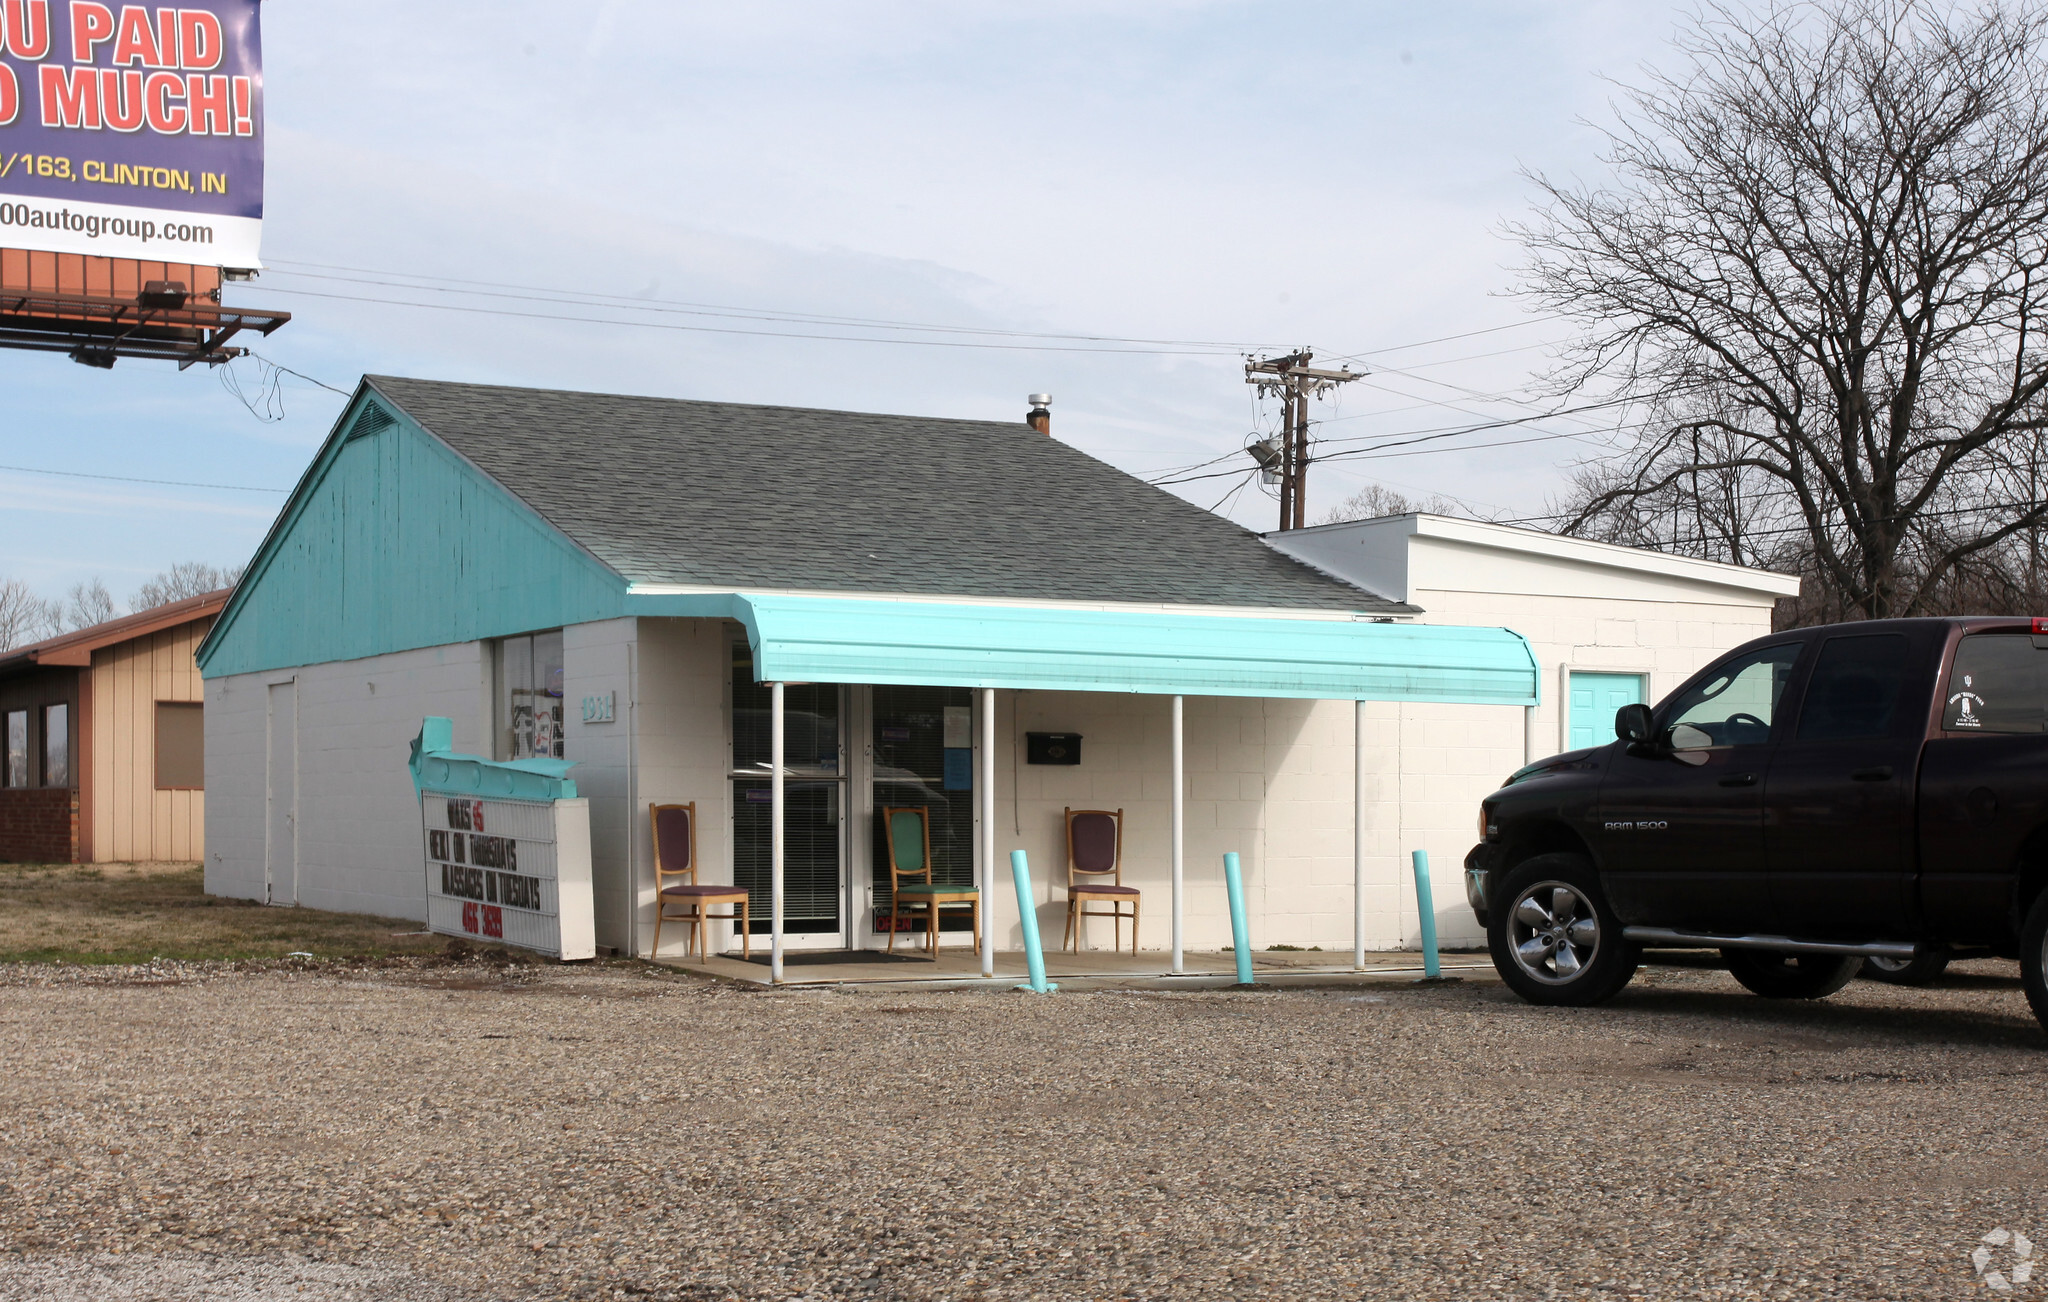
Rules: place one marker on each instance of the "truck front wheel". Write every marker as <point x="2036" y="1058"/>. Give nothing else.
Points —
<point x="1554" y="940"/>
<point x="1776" y="975"/>
<point x="2034" y="958"/>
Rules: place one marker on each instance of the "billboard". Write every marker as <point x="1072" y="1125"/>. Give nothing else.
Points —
<point x="132" y="132"/>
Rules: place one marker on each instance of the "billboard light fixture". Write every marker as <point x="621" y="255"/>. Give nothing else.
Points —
<point x="167" y="295"/>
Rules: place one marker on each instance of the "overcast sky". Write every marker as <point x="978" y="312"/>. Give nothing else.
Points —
<point x="1221" y="175"/>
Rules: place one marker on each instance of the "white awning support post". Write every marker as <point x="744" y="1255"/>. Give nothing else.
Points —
<point x="1179" y="828"/>
<point x="775" y="811"/>
<point x="1358" y="838"/>
<point x="1528" y="734"/>
<point x="988" y="831"/>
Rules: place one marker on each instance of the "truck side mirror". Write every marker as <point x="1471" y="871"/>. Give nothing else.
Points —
<point x="1632" y="723"/>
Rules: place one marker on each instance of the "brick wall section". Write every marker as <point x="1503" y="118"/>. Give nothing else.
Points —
<point x="38" y="825"/>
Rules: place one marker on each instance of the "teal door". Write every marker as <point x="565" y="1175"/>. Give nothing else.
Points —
<point x="1594" y="699"/>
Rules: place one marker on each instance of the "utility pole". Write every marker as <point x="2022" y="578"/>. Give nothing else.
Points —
<point x="1295" y="382"/>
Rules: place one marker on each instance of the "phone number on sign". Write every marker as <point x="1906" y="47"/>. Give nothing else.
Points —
<point x="484" y="920"/>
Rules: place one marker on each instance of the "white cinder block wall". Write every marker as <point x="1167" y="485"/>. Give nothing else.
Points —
<point x="597" y="659"/>
<point x="1269" y="779"/>
<point x="358" y="835"/>
<point x="681" y="728"/>
<point x="1585" y="606"/>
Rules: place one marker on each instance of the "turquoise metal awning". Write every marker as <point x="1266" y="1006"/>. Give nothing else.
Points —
<point x="1046" y="648"/>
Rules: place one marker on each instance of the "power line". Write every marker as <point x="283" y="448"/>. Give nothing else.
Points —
<point x="130" y="479"/>
<point x="576" y="298"/>
<point x="569" y="298"/>
<point x="1444" y="339"/>
<point x="301" y="374"/>
<point x="1375" y="454"/>
<point x="762" y="334"/>
<point x="1800" y="528"/>
<point x="1406" y="437"/>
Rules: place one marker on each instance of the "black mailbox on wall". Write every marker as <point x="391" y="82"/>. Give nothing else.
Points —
<point x="1052" y="748"/>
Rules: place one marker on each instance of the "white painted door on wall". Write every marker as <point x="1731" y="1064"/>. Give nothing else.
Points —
<point x="281" y="795"/>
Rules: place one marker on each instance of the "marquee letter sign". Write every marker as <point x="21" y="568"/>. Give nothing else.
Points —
<point x="512" y="871"/>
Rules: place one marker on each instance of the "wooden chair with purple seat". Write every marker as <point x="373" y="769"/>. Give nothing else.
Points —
<point x="1095" y="849"/>
<point x="675" y="855"/>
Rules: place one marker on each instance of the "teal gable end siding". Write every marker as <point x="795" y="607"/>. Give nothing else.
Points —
<point x="393" y="542"/>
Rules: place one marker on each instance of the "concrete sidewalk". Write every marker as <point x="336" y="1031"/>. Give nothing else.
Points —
<point x="960" y="968"/>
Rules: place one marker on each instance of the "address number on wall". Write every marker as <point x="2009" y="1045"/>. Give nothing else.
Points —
<point x="600" y="709"/>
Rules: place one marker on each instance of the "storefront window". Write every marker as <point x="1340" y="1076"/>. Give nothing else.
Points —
<point x="530" y="696"/>
<point x="924" y="759"/>
<point x="810" y="721"/>
<point x="57" y="745"/>
<point x="811" y="795"/>
<point x="17" y="748"/>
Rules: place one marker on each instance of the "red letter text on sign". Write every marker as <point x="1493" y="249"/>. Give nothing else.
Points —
<point x="71" y="97"/>
<point x="135" y="42"/>
<point x="199" y="39"/>
<point x="166" y="38"/>
<point x="121" y="99"/>
<point x="208" y="97"/>
<point x="164" y="116"/>
<point x="90" y="25"/>
<point x="27" y="28"/>
<point x="10" y="96"/>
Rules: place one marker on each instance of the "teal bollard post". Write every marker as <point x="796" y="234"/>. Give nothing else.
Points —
<point x="1431" y="968"/>
<point x="1027" y="909"/>
<point x="1240" y="933"/>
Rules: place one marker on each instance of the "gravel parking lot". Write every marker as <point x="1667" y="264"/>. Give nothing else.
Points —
<point x="471" y="1132"/>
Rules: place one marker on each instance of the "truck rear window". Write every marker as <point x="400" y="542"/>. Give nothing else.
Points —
<point x="1999" y="683"/>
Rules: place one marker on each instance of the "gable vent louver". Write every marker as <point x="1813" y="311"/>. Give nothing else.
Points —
<point x="373" y="420"/>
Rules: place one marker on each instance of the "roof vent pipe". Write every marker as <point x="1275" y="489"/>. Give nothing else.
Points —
<point x="1040" y="415"/>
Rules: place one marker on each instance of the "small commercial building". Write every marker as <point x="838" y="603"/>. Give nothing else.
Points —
<point x="964" y="617"/>
<point x="104" y="732"/>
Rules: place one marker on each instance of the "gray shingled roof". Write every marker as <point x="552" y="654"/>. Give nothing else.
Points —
<point x="723" y="494"/>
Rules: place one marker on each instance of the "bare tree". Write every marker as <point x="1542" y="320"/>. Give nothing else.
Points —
<point x="25" y="617"/>
<point x="1376" y="500"/>
<point x="183" y="581"/>
<point x="1820" y="273"/>
<point x="89" y="603"/>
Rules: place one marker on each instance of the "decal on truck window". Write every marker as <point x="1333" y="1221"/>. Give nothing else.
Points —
<point x="1966" y="708"/>
<point x="1998" y="684"/>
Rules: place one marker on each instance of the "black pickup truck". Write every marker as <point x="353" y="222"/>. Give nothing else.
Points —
<point x="1810" y="800"/>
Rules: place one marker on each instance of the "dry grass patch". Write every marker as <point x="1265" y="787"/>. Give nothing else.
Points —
<point x="131" y="913"/>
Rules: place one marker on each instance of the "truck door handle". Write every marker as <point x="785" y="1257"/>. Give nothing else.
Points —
<point x="1739" y="780"/>
<point x="1882" y="773"/>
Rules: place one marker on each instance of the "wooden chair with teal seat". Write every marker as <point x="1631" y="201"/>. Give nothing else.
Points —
<point x="909" y="834"/>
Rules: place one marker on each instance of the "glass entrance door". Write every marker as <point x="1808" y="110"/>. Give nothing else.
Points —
<point x="923" y="757"/>
<point x="814" y="805"/>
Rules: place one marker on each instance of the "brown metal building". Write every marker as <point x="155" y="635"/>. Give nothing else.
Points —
<point x="102" y="740"/>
